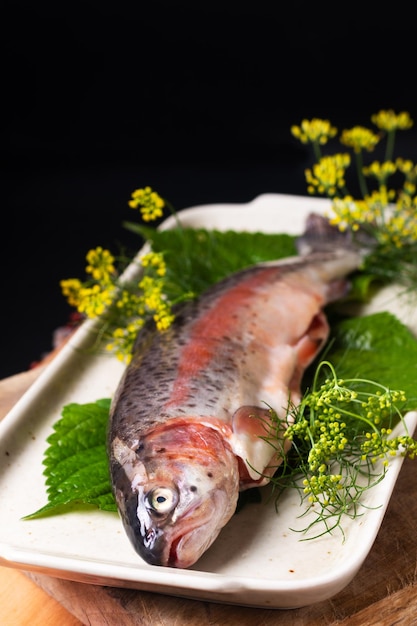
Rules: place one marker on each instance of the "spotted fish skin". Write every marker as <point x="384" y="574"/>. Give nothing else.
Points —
<point x="188" y="418"/>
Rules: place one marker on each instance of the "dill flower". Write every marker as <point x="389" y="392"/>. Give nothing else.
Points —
<point x="393" y="225"/>
<point x="401" y="225"/>
<point x="163" y="317"/>
<point x="315" y="130"/>
<point x="389" y="121"/>
<point x="359" y="138"/>
<point x="94" y="300"/>
<point x="152" y="292"/>
<point x="156" y="261"/>
<point x="100" y="264"/>
<point x="339" y="430"/>
<point x="328" y="175"/>
<point x="348" y="213"/>
<point x="124" y="307"/>
<point x="149" y="203"/>
<point x="409" y="170"/>
<point x="71" y="288"/>
<point x="123" y="339"/>
<point x="380" y="171"/>
<point x="386" y="212"/>
<point x="144" y="300"/>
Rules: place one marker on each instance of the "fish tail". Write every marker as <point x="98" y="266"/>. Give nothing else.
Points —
<point x="321" y="236"/>
<point x="321" y="241"/>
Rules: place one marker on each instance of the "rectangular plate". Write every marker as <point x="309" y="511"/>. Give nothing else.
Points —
<point x="256" y="561"/>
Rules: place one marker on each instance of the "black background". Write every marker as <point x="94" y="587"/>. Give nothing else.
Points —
<point x="195" y="99"/>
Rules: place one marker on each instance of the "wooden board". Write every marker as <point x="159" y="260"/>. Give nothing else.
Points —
<point x="384" y="591"/>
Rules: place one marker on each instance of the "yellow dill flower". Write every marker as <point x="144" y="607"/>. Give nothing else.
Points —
<point x="130" y="304"/>
<point x="156" y="261"/>
<point x="409" y="170"/>
<point x="149" y="203"/>
<point x="94" y="300"/>
<point x="314" y="131"/>
<point x="378" y="200"/>
<point x="346" y="213"/>
<point x="350" y="213"/>
<point x="395" y="231"/>
<point x="125" y="306"/>
<point x="359" y="138"/>
<point x="406" y="166"/>
<point x="138" y="303"/>
<point x="380" y="171"/>
<point x="391" y="224"/>
<point x="407" y="204"/>
<point x="155" y="302"/>
<point x="328" y="175"/>
<point x="163" y="318"/>
<point x="152" y="299"/>
<point x="389" y="121"/>
<point x="401" y="225"/>
<point x="123" y="339"/>
<point x="71" y="288"/>
<point x="100" y="264"/>
<point x="148" y="284"/>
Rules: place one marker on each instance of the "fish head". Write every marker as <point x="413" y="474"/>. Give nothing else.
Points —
<point x="175" y="492"/>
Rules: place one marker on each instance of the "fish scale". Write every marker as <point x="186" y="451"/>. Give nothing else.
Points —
<point x="190" y="416"/>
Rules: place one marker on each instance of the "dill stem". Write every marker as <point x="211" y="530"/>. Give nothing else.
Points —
<point x="316" y="150"/>
<point x="389" y="148"/>
<point x="355" y="416"/>
<point x="374" y="383"/>
<point x="361" y="177"/>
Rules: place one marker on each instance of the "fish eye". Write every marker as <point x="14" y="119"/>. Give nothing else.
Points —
<point x="161" y="500"/>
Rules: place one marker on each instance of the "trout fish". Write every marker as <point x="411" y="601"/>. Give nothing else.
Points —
<point x="190" y="422"/>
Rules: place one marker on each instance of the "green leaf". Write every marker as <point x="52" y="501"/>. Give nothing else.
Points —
<point x="198" y="258"/>
<point x="361" y="285"/>
<point x="76" y="463"/>
<point x="378" y="347"/>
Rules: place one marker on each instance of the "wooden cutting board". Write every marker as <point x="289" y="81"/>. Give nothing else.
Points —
<point x="383" y="593"/>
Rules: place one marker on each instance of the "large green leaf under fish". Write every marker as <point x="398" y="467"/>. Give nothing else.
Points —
<point x="377" y="347"/>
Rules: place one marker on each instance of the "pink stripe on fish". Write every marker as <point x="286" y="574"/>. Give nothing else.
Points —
<point x="218" y="322"/>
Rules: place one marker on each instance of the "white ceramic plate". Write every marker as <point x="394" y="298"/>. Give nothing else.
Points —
<point x="256" y="561"/>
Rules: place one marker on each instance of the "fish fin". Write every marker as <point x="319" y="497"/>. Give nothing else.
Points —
<point x="311" y="342"/>
<point x="252" y="427"/>
<point x="253" y="421"/>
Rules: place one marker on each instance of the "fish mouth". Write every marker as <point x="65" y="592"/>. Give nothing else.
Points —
<point x="185" y="550"/>
<point x="186" y="547"/>
<point x="180" y="549"/>
<point x="173" y="553"/>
